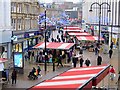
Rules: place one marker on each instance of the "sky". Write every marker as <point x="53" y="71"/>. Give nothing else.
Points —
<point x="49" y="1"/>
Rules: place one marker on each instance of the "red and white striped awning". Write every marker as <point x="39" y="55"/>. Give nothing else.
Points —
<point x="79" y="33"/>
<point x="3" y="60"/>
<point x="54" y="45"/>
<point x="72" y="79"/>
<point x="72" y="28"/>
<point x="89" y="38"/>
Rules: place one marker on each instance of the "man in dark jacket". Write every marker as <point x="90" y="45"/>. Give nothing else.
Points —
<point x="87" y="62"/>
<point x="14" y="76"/>
<point x="59" y="60"/>
<point x="110" y="53"/>
<point x="99" y="60"/>
<point x="81" y="62"/>
<point x="74" y="60"/>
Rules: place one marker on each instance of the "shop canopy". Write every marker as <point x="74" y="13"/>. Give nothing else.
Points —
<point x="79" y="33"/>
<point x="54" y="45"/>
<point x="88" y="38"/>
<point x="72" y="28"/>
<point x="2" y="60"/>
<point x="80" y="78"/>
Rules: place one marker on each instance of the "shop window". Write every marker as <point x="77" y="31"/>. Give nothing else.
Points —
<point x="34" y="41"/>
<point x="25" y="44"/>
<point x="20" y="47"/>
<point x="13" y="50"/>
<point x="17" y="48"/>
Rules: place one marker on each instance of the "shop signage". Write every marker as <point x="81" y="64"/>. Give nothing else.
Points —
<point x="14" y="38"/>
<point x="20" y="36"/>
<point x="31" y="34"/>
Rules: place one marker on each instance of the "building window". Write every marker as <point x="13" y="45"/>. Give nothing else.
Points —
<point x="27" y="8"/>
<point x="19" y="8"/>
<point x="13" y="23"/>
<point x="19" y="24"/>
<point x="13" y="7"/>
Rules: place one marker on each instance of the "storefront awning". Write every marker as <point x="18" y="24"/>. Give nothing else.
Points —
<point x="89" y="38"/>
<point x="79" y="33"/>
<point x="54" y="45"/>
<point x="73" y="79"/>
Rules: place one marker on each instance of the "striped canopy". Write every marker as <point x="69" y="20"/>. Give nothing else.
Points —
<point x="79" y="33"/>
<point x="76" y="78"/>
<point x="3" y="60"/>
<point x="88" y="38"/>
<point x="54" y="45"/>
<point x="72" y="28"/>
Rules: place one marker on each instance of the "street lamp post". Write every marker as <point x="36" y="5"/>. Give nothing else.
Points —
<point x="45" y="43"/>
<point x="100" y="8"/>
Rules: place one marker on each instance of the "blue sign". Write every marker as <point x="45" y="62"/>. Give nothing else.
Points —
<point x="26" y="35"/>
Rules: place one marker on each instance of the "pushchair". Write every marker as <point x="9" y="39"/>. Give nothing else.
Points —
<point x="32" y="76"/>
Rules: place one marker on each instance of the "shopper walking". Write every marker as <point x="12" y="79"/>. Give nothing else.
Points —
<point x="110" y="53"/>
<point x="87" y="62"/>
<point x="14" y="76"/>
<point x="112" y="73"/>
<point x="81" y="62"/>
<point x="111" y="46"/>
<point x="74" y="60"/>
<point x="59" y="60"/>
<point x="99" y="60"/>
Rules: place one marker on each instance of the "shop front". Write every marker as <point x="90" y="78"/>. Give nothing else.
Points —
<point x="24" y="42"/>
<point x="115" y="36"/>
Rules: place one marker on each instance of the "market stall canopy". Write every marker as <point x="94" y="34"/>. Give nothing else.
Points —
<point x="79" y="33"/>
<point x="3" y="60"/>
<point x="72" y="28"/>
<point x="77" y="78"/>
<point x="89" y="38"/>
<point x="54" y="45"/>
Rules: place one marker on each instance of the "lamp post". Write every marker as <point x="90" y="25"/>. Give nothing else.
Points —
<point x="100" y="8"/>
<point x="45" y="42"/>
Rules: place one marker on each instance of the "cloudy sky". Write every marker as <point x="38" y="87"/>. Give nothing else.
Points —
<point x="49" y="1"/>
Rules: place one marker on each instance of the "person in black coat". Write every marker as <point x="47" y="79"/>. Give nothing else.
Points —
<point x="14" y="76"/>
<point x="87" y="62"/>
<point x="59" y="60"/>
<point x="110" y="53"/>
<point x="81" y="62"/>
<point x="74" y="60"/>
<point x="111" y="46"/>
<point x="99" y="60"/>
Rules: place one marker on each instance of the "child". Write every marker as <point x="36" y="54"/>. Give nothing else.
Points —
<point x="112" y="73"/>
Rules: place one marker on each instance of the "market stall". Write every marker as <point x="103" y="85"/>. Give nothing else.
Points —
<point x="2" y="61"/>
<point x="73" y="28"/>
<point x="88" y="38"/>
<point x="76" y="78"/>
<point x="79" y="34"/>
<point x="54" y="45"/>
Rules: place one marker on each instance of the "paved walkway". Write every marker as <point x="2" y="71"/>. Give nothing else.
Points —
<point x="24" y="83"/>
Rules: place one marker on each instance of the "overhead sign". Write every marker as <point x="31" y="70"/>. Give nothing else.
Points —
<point x="14" y="38"/>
